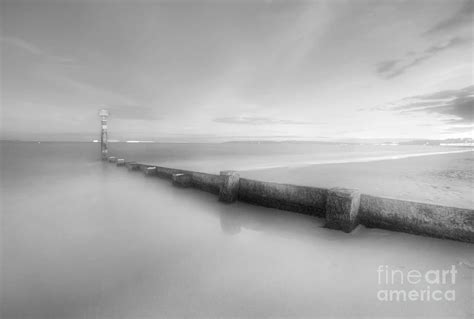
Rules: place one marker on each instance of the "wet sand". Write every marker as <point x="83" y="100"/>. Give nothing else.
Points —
<point x="445" y="179"/>
<point x="86" y="239"/>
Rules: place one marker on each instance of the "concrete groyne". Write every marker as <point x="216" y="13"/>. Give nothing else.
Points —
<point x="417" y="218"/>
<point x="207" y="182"/>
<point x="300" y="199"/>
<point x="343" y="209"/>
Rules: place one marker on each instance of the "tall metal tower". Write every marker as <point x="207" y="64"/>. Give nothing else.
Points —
<point x="103" y="136"/>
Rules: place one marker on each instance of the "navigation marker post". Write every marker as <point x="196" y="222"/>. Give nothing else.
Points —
<point x="104" y="114"/>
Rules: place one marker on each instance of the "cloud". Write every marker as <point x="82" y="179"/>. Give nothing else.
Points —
<point x="445" y="94"/>
<point x="34" y="50"/>
<point x="458" y="105"/>
<point x="22" y="44"/>
<point x="392" y="68"/>
<point x="460" y="129"/>
<point x="461" y="107"/>
<point x="402" y="69"/>
<point x="459" y="19"/>
<point x="249" y="120"/>
<point x="386" y="66"/>
<point x="453" y="42"/>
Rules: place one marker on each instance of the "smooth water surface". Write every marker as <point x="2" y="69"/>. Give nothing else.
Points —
<point x="86" y="239"/>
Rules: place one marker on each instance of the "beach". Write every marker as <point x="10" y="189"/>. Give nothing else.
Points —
<point x="431" y="174"/>
<point x="443" y="179"/>
<point x="86" y="239"/>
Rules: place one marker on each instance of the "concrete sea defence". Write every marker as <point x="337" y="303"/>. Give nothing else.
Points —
<point x="203" y="181"/>
<point x="343" y="209"/>
<point x="300" y="199"/>
<point x="417" y="218"/>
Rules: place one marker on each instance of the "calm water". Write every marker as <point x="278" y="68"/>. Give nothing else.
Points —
<point x="85" y="239"/>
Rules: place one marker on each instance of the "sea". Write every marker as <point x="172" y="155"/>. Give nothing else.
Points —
<point x="82" y="238"/>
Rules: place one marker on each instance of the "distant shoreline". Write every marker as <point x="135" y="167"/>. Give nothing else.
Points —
<point x="429" y="143"/>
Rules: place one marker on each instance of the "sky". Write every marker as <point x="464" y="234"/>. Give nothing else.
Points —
<point x="236" y="70"/>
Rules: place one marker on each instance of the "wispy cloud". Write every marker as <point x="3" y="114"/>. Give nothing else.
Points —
<point x="386" y="66"/>
<point x="445" y="94"/>
<point x="21" y="44"/>
<point x="460" y="129"/>
<point x="392" y="68"/>
<point x="457" y="105"/>
<point x="249" y="120"/>
<point x="461" y="18"/>
<point x="33" y="49"/>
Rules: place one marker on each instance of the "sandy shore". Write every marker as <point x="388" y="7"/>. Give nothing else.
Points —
<point x="445" y="179"/>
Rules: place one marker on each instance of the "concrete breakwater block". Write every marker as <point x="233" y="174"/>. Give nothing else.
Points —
<point x="182" y="180"/>
<point x="112" y="159"/>
<point x="293" y="198"/>
<point x="342" y="209"/>
<point x="143" y="167"/>
<point x="417" y="218"/>
<point x="131" y="166"/>
<point x="120" y="162"/>
<point x="229" y="189"/>
<point x="150" y="171"/>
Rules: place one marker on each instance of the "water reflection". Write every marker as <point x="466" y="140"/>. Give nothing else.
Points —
<point x="229" y="219"/>
<point x="238" y="216"/>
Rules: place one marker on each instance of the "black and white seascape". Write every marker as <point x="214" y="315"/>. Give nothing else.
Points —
<point x="236" y="159"/>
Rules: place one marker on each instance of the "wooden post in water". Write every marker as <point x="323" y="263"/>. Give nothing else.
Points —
<point x="132" y="166"/>
<point x="103" y="136"/>
<point x="150" y="171"/>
